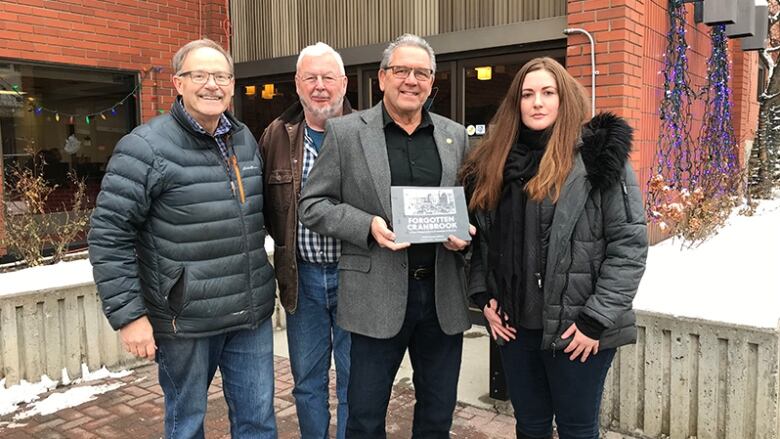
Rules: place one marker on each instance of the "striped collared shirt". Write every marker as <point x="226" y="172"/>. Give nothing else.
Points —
<point x="313" y="247"/>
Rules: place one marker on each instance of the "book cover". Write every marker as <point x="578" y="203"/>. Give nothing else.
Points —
<point x="429" y="214"/>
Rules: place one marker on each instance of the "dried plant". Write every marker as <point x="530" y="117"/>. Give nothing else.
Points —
<point x="31" y="226"/>
<point x="692" y="215"/>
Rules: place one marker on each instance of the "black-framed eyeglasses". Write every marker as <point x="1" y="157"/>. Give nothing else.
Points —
<point x="402" y="72"/>
<point x="202" y="77"/>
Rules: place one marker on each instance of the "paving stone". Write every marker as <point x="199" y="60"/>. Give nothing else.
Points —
<point x="136" y="411"/>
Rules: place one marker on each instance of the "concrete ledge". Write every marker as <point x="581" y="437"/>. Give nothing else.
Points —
<point x="45" y="332"/>
<point x="694" y="378"/>
<point x="684" y="378"/>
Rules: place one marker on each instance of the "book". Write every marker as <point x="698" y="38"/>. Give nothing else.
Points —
<point x="429" y="214"/>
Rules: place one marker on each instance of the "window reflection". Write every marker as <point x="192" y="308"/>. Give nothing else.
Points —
<point x="34" y="97"/>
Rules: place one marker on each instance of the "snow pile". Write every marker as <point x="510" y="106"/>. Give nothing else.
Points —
<point x="734" y="277"/>
<point x="28" y="393"/>
<point x="100" y="374"/>
<point x="70" y="398"/>
<point x="46" y="277"/>
<point x="60" y="275"/>
<point x="21" y="393"/>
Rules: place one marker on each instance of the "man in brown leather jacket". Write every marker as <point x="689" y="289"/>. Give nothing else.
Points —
<point x="305" y="262"/>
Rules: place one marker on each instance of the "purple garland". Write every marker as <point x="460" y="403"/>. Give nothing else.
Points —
<point x="718" y="159"/>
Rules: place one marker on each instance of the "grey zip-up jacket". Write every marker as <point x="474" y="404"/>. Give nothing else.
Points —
<point x="597" y="245"/>
<point x="170" y="237"/>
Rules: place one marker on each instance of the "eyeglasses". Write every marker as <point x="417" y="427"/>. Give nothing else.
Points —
<point x="402" y="72"/>
<point x="326" y="79"/>
<point x="201" y="77"/>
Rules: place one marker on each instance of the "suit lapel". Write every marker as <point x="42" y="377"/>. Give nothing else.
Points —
<point x="447" y="155"/>
<point x="372" y="139"/>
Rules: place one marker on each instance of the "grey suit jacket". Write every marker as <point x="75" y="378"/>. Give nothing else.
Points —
<point x="349" y="185"/>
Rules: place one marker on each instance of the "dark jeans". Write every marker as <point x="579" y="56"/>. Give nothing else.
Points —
<point x="543" y="384"/>
<point x="245" y="358"/>
<point x="436" y="362"/>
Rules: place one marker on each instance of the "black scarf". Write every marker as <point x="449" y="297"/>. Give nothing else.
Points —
<point x="507" y="243"/>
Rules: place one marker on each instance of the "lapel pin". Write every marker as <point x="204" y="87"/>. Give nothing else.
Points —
<point x="449" y="140"/>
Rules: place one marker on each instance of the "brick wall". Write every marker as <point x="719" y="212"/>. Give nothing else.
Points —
<point x="630" y="40"/>
<point x="745" y="85"/>
<point x="618" y="28"/>
<point x="129" y="35"/>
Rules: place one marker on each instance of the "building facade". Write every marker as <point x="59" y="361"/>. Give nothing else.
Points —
<point x="75" y="76"/>
<point x="472" y="37"/>
<point x="109" y="61"/>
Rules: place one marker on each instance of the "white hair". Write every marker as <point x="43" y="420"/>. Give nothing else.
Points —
<point x="319" y="49"/>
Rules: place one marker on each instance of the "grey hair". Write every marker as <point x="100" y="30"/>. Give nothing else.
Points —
<point x="319" y="49"/>
<point x="407" y="40"/>
<point x="181" y="54"/>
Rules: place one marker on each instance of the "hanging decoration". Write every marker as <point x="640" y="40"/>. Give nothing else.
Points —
<point x="690" y="194"/>
<point x="72" y="144"/>
<point x="717" y="155"/>
<point x="673" y="153"/>
<point x="674" y="161"/>
<point x="38" y="109"/>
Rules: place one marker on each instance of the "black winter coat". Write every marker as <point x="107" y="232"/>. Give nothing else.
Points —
<point x="170" y="240"/>
<point x="598" y="241"/>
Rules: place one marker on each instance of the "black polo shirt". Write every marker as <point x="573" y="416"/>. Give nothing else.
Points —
<point x="414" y="161"/>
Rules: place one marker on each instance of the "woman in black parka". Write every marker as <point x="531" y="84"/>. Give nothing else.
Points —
<point x="560" y="247"/>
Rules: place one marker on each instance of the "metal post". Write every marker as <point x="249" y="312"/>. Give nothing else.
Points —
<point x="593" y="71"/>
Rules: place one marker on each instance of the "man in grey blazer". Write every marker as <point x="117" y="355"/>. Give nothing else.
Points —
<point x="393" y="296"/>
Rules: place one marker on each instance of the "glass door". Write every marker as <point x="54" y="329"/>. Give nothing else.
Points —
<point x="485" y="83"/>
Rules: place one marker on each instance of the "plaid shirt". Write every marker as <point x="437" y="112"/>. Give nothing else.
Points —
<point x="218" y="136"/>
<point x="313" y="247"/>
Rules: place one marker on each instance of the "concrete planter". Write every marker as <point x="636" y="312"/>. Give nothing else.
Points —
<point x="685" y="378"/>
<point x="691" y="378"/>
<point x="44" y="332"/>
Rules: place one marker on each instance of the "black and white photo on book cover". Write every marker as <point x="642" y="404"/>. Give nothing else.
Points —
<point x="429" y="214"/>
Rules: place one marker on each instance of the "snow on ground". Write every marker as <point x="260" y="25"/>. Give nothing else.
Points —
<point x="21" y="393"/>
<point x="70" y="398"/>
<point x="734" y="277"/>
<point x="100" y="374"/>
<point x="28" y="393"/>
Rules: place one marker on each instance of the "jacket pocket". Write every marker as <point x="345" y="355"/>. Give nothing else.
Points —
<point x="355" y="263"/>
<point x="280" y="190"/>
<point x="176" y="295"/>
<point x="280" y="176"/>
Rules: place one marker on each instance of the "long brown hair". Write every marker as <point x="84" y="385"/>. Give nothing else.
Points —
<point x="483" y="168"/>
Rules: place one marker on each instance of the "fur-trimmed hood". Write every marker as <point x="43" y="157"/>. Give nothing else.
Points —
<point x="605" y="147"/>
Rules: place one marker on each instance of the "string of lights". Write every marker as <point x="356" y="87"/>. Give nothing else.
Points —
<point x="675" y="139"/>
<point x="36" y="106"/>
<point x="674" y="159"/>
<point x="717" y="157"/>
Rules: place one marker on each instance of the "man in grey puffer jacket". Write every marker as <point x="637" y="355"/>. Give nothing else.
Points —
<point x="177" y="251"/>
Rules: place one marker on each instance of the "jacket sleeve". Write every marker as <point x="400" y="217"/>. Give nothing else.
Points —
<point x="625" y="233"/>
<point x="122" y="206"/>
<point x="263" y="146"/>
<point x="322" y="207"/>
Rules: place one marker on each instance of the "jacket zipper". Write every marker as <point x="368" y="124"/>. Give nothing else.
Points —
<point x="629" y="217"/>
<point x="563" y="292"/>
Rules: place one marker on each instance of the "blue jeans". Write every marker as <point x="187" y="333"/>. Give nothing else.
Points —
<point x="543" y="384"/>
<point x="312" y="335"/>
<point x="435" y="360"/>
<point x="245" y="359"/>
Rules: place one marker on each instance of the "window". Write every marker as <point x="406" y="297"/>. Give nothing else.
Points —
<point x="43" y="123"/>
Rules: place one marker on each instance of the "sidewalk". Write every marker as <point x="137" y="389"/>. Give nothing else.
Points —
<point x="135" y="411"/>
